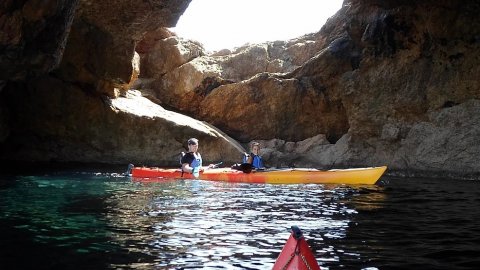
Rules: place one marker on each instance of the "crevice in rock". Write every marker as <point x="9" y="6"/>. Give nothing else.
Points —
<point x="449" y="104"/>
<point x="208" y="84"/>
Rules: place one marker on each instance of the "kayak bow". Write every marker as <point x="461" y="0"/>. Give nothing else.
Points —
<point x="296" y="254"/>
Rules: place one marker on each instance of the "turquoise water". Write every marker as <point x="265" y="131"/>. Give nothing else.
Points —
<point x="85" y="220"/>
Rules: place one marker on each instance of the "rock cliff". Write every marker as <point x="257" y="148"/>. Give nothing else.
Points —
<point x="383" y="82"/>
<point x="65" y="64"/>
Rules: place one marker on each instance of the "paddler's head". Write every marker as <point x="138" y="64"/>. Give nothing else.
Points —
<point x="255" y="147"/>
<point x="192" y="145"/>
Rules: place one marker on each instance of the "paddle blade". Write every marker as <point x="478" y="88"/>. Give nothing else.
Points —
<point x="196" y="172"/>
<point x="296" y="254"/>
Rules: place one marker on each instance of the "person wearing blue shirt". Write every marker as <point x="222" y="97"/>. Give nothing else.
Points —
<point x="254" y="157"/>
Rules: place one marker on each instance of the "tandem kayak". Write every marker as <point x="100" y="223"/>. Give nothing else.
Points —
<point x="355" y="176"/>
<point x="296" y="254"/>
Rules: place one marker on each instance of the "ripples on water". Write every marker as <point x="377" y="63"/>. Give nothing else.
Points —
<point x="105" y="221"/>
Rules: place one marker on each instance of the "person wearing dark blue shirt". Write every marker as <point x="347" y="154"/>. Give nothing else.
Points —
<point x="192" y="161"/>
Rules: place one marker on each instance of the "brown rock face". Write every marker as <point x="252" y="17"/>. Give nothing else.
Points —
<point x="124" y="130"/>
<point x="373" y="73"/>
<point x="272" y="107"/>
<point x="102" y="45"/>
<point x="69" y="118"/>
<point x="409" y="63"/>
<point x="441" y="145"/>
<point x="200" y="85"/>
<point x="383" y="82"/>
<point x="408" y="70"/>
<point x="32" y="36"/>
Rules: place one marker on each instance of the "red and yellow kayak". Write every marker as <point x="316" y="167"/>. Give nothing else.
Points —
<point x="355" y="176"/>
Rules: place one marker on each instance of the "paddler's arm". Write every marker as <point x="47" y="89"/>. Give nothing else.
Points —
<point x="186" y="168"/>
<point x="210" y="166"/>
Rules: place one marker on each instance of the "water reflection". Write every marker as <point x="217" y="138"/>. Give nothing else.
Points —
<point x="102" y="221"/>
<point x="200" y="224"/>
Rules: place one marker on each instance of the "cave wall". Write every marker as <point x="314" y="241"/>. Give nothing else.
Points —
<point x="62" y="64"/>
<point x="33" y="35"/>
<point x="372" y="77"/>
<point x="383" y="82"/>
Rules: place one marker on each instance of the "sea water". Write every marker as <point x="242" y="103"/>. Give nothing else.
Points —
<point x="104" y="220"/>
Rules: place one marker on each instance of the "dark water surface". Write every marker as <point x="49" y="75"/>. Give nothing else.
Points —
<point x="85" y="220"/>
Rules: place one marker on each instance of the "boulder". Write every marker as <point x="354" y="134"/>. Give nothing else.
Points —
<point x="267" y="106"/>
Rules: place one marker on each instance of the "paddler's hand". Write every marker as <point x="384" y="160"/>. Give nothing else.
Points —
<point x="202" y="169"/>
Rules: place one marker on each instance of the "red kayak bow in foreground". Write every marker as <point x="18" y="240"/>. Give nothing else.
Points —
<point x="296" y="254"/>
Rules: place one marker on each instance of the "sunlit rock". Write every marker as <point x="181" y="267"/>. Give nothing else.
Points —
<point x="203" y="85"/>
<point x="129" y="129"/>
<point x="267" y="106"/>
<point x="168" y="54"/>
<point x="385" y="82"/>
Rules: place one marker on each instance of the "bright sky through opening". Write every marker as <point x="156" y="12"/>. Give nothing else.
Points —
<point x="225" y="24"/>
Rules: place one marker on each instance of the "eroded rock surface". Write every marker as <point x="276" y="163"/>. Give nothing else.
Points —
<point x="442" y="145"/>
<point x="375" y="73"/>
<point x="33" y="36"/>
<point x="124" y="130"/>
<point x="383" y="82"/>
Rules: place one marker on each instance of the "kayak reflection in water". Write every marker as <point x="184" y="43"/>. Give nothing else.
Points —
<point x="192" y="160"/>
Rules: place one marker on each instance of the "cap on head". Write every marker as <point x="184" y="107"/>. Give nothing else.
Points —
<point x="192" y="141"/>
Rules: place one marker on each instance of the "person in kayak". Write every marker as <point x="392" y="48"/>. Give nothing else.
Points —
<point x="254" y="157"/>
<point x="192" y="161"/>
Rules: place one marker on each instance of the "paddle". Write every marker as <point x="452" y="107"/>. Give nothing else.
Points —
<point x="129" y="170"/>
<point x="217" y="164"/>
<point x="196" y="171"/>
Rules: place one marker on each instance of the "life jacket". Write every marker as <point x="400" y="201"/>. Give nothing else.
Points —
<point x="197" y="162"/>
<point x="257" y="161"/>
<point x="194" y="160"/>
